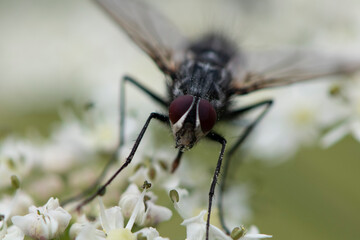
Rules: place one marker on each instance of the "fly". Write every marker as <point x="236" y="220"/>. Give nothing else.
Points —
<point x="203" y="77"/>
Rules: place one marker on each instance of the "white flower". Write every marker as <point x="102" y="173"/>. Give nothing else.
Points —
<point x="155" y="214"/>
<point x="196" y="226"/>
<point x="86" y="230"/>
<point x="8" y="207"/>
<point x="235" y="199"/>
<point x="44" y="222"/>
<point x="15" y="205"/>
<point x="349" y="102"/>
<point x="151" y="215"/>
<point x="128" y="201"/>
<point x="17" y="157"/>
<point x="112" y="219"/>
<point x="196" y="230"/>
<point x="133" y="201"/>
<point x="11" y="233"/>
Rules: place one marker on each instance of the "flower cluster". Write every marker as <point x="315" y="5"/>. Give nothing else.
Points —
<point x="132" y="206"/>
<point x="135" y="207"/>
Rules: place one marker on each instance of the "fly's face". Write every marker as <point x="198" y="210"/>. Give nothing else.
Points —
<point x="191" y="118"/>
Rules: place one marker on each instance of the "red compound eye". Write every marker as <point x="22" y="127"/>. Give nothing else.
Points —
<point x="207" y="115"/>
<point x="179" y="107"/>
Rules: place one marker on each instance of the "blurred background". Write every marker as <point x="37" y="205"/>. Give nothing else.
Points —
<point x="53" y="52"/>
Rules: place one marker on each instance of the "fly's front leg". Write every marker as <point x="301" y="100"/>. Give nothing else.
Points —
<point x="217" y="138"/>
<point x="102" y="189"/>
<point x="116" y="153"/>
<point x="231" y="115"/>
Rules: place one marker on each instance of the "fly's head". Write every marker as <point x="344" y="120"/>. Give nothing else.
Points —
<point x="191" y="118"/>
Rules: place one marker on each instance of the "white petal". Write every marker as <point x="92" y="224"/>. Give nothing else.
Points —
<point x="156" y="214"/>
<point x="335" y="135"/>
<point x="83" y="225"/>
<point x="103" y="218"/>
<point x="216" y="233"/>
<point x="183" y="207"/>
<point x="62" y="218"/>
<point x="195" y="227"/>
<point x="253" y="233"/>
<point x="256" y="236"/>
<point x="28" y="224"/>
<point x="14" y="233"/>
<point x="50" y="226"/>
<point x="89" y="232"/>
<point x="52" y="204"/>
<point x="138" y="212"/>
<point x="128" y="200"/>
<point x="111" y="218"/>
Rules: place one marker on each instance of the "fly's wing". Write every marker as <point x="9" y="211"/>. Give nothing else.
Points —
<point x="259" y="70"/>
<point x="151" y="31"/>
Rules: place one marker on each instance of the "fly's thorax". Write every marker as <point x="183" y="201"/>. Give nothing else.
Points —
<point x="204" y="80"/>
<point x="191" y="118"/>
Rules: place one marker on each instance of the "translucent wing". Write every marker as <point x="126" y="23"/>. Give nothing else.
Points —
<point x="151" y="31"/>
<point x="258" y="70"/>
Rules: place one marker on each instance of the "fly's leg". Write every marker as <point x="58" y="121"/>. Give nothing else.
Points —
<point x="233" y="114"/>
<point x="114" y="156"/>
<point x="102" y="189"/>
<point x="217" y="138"/>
